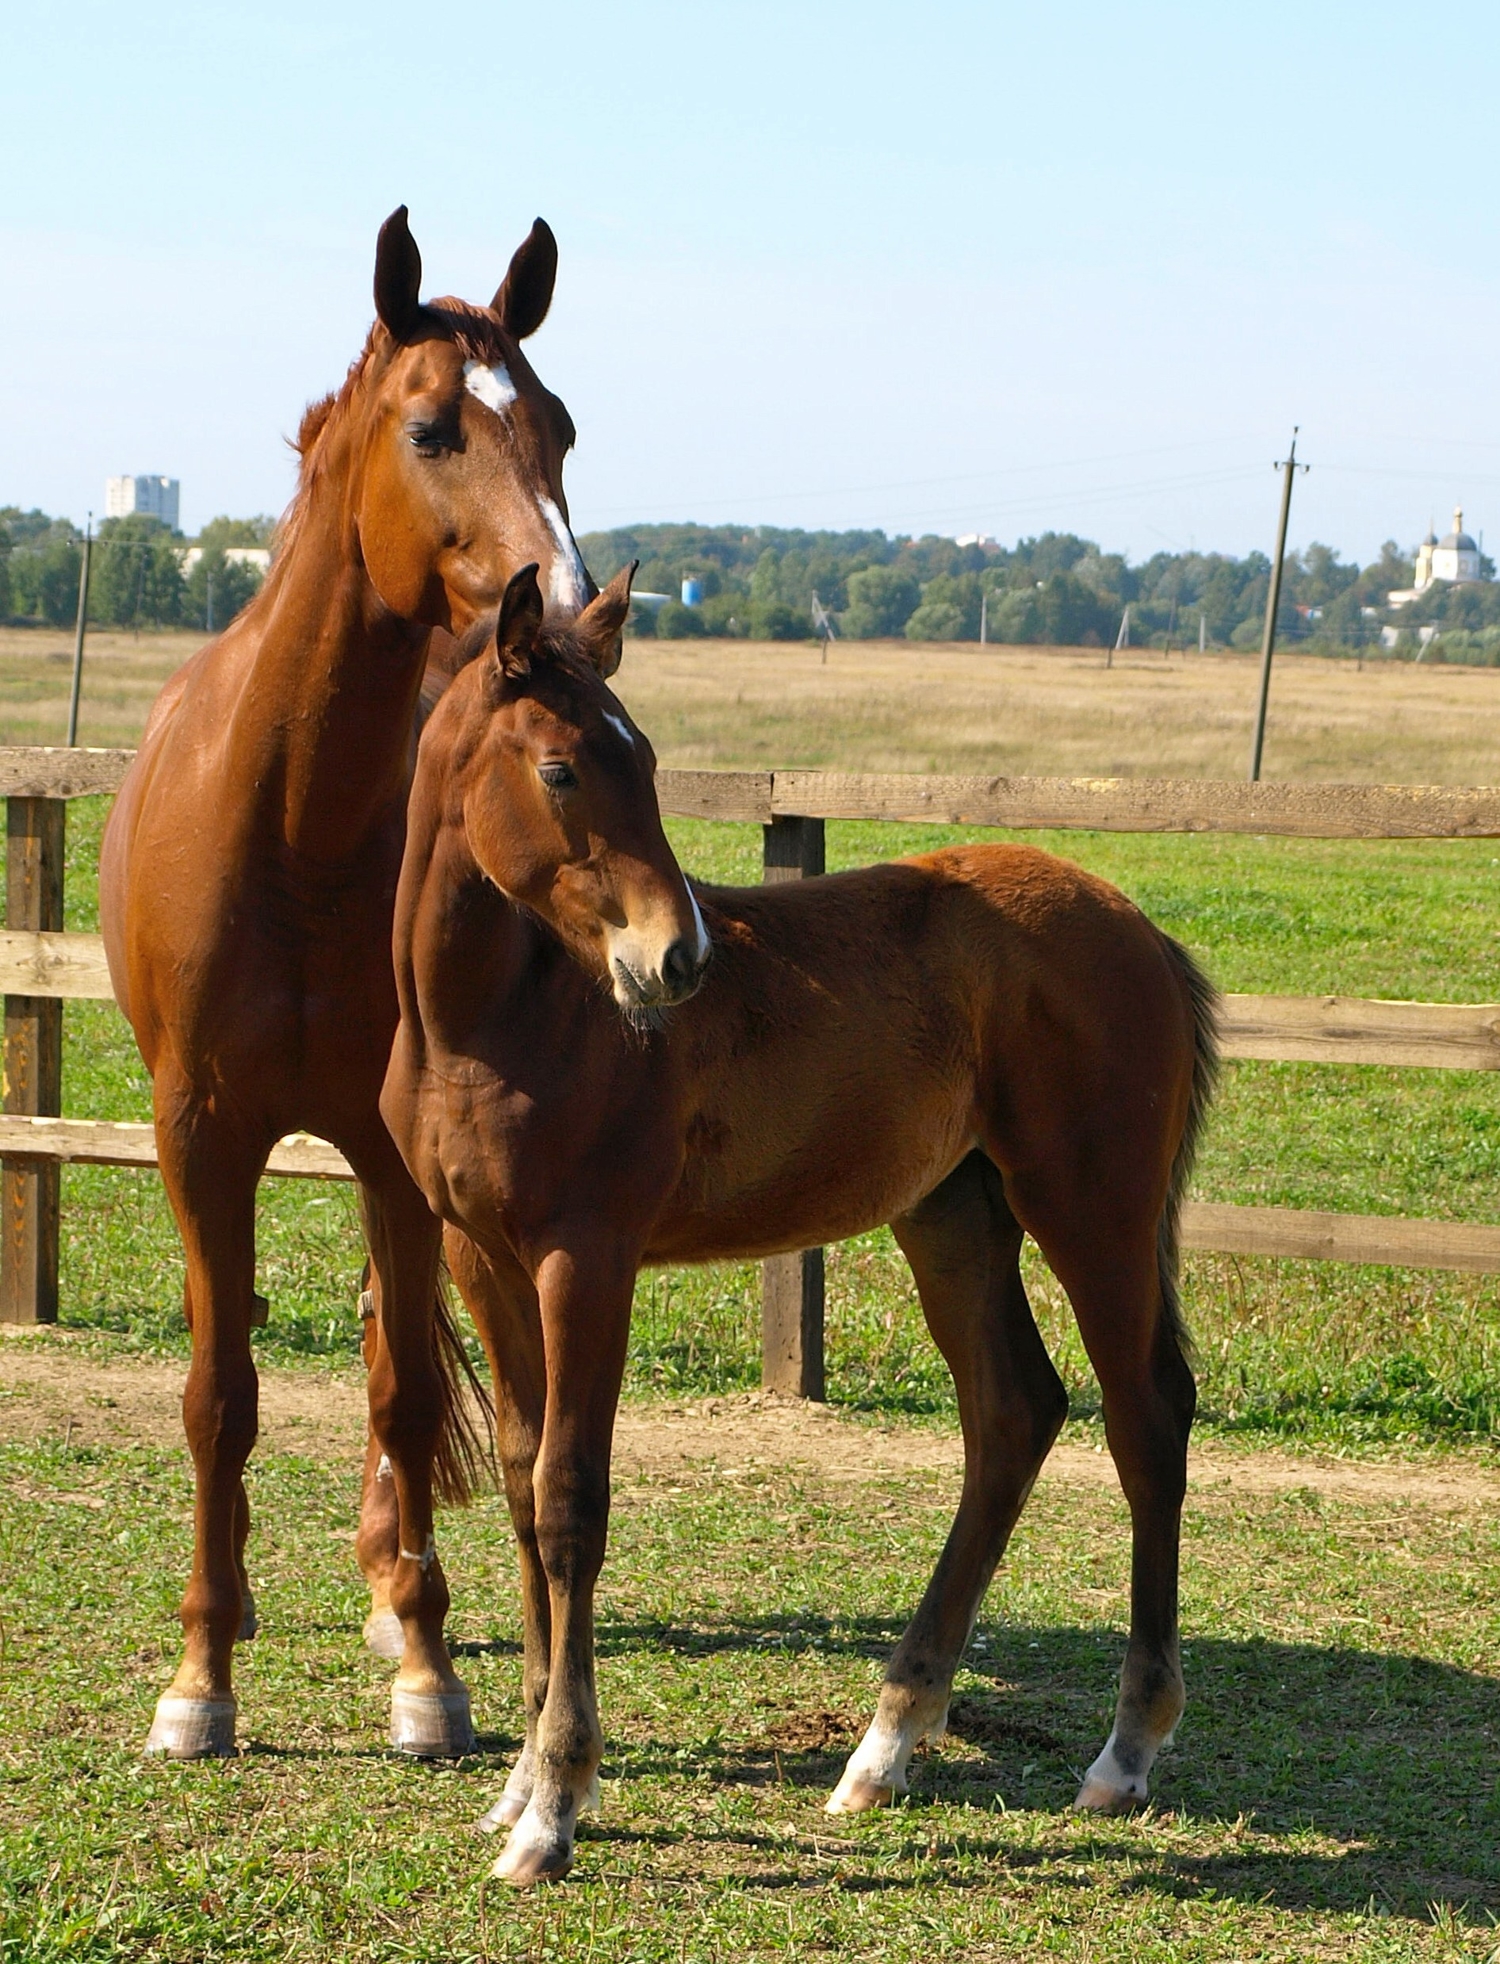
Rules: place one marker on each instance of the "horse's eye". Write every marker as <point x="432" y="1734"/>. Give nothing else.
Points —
<point x="557" y="777"/>
<point x="425" y="438"/>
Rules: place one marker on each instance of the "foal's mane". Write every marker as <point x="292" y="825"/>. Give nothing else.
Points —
<point x="476" y="333"/>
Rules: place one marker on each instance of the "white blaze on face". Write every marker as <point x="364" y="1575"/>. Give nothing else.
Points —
<point x="492" y="385"/>
<point x="619" y="723"/>
<point x="567" y="582"/>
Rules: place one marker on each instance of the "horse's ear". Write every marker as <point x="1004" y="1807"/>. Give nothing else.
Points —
<point x="519" y="625"/>
<point x="601" y="623"/>
<point x="398" y="276"/>
<point x="525" y="293"/>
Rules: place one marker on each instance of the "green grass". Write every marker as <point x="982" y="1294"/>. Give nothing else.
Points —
<point x="1332" y="1795"/>
<point x="1347" y="1355"/>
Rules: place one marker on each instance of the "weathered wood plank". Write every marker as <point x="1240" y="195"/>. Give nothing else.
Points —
<point x="1303" y="1235"/>
<point x="1124" y="804"/>
<point x="30" y="1197"/>
<point x="42" y="771"/>
<point x="107" y="1142"/>
<point x="1207" y="1225"/>
<point x="1354" y="1030"/>
<point x="70" y="966"/>
<point x="716" y="794"/>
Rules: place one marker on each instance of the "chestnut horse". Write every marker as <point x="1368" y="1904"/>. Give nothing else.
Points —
<point x="248" y="875"/>
<point x="972" y="1045"/>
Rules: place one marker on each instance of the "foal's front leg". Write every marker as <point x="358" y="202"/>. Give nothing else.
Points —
<point x="585" y="1308"/>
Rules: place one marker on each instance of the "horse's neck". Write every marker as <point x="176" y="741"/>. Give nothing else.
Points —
<point x="334" y="690"/>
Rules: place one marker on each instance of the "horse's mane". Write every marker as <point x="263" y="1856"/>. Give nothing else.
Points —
<point x="475" y="331"/>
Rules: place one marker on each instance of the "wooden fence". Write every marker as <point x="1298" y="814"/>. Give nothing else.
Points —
<point x="41" y="967"/>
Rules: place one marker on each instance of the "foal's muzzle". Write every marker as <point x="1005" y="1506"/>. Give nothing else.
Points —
<point x="676" y="976"/>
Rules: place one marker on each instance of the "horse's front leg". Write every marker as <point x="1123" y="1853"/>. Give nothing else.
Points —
<point x="585" y="1295"/>
<point x="210" y="1168"/>
<point x="411" y="1409"/>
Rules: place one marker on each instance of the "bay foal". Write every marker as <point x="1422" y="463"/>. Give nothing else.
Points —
<point x="246" y="887"/>
<point x="973" y="1045"/>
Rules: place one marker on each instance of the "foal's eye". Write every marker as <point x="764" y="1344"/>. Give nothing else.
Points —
<point x="425" y="438"/>
<point x="557" y="777"/>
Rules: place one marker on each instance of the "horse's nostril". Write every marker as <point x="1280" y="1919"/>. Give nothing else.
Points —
<point x="678" y="967"/>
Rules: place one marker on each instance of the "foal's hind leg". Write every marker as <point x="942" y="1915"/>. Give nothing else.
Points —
<point x="501" y="1297"/>
<point x="963" y="1245"/>
<point x="1129" y="1327"/>
<point x="377" y="1545"/>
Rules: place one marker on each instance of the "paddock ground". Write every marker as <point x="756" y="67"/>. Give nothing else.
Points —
<point x="1332" y="1794"/>
<point x="896" y="705"/>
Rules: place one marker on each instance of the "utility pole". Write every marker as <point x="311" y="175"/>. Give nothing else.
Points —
<point x="1273" y="601"/>
<point x="1122" y="639"/>
<point x="83" y="614"/>
<point x="1202" y="632"/>
<point x="984" y="619"/>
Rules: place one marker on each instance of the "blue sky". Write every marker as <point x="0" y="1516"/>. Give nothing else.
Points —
<point x="954" y="268"/>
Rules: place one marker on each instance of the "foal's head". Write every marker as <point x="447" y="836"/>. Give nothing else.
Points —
<point x="452" y="450"/>
<point x="559" y="801"/>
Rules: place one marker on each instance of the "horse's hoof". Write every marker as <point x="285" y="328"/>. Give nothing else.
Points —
<point x="431" y="1724"/>
<point x="249" y="1621"/>
<point x="1097" y="1796"/>
<point x="532" y="1855"/>
<point x="382" y="1634"/>
<point x="856" y="1793"/>
<point x="506" y="1811"/>
<point x="192" y="1728"/>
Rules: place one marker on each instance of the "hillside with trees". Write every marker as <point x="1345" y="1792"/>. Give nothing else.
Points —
<point x="1057" y="588"/>
<point x="137" y="576"/>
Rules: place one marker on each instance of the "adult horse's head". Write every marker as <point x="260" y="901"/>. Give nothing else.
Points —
<point x="452" y="448"/>
<point x="558" y="799"/>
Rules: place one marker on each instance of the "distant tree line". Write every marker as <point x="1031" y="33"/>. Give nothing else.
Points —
<point x="759" y="582"/>
<point x="136" y="576"/>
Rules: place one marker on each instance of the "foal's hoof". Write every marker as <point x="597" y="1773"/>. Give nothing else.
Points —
<point x="382" y="1634"/>
<point x="249" y="1621"/>
<point x="1110" y="1788"/>
<point x="856" y="1793"/>
<point x="192" y="1728"/>
<point x="533" y="1854"/>
<point x="431" y="1724"/>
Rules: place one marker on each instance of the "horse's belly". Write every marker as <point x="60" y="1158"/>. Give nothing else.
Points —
<point x="852" y="1175"/>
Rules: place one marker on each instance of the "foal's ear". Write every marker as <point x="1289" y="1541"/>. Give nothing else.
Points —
<point x="519" y="625"/>
<point x="398" y="276"/>
<point x="525" y="294"/>
<point x="599" y="626"/>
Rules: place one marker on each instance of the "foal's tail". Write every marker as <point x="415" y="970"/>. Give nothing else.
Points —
<point x="1203" y="999"/>
<point x="465" y="1456"/>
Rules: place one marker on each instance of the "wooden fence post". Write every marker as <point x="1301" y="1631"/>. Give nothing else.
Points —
<point x="791" y="1317"/>
<point x="30" y="1189"/>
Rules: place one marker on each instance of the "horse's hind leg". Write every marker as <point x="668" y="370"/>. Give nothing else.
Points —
<point x="377" y="1545"/>
<point x="963" y="1245"/>
<point x="1128" y="1322"/>
<point x="502" y="1299"/>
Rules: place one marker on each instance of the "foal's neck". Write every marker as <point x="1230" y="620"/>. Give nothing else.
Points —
<point x="335" y="686"/>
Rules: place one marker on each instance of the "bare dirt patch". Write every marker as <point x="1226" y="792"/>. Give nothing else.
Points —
<point x="321" y="1414"/>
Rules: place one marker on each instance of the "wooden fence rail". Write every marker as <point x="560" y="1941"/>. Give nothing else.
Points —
<point x="41" y="967"/>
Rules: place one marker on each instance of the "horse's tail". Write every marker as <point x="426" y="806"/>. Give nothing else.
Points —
<point x="1203" y="998"/>
<point x="465" y="1456"/>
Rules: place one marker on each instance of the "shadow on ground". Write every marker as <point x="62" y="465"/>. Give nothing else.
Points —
<point x="1390" y="1757"/>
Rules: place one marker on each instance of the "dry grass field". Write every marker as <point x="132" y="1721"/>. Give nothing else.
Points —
<point x="888" y="705"/>
<point x="893" y="706"/>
